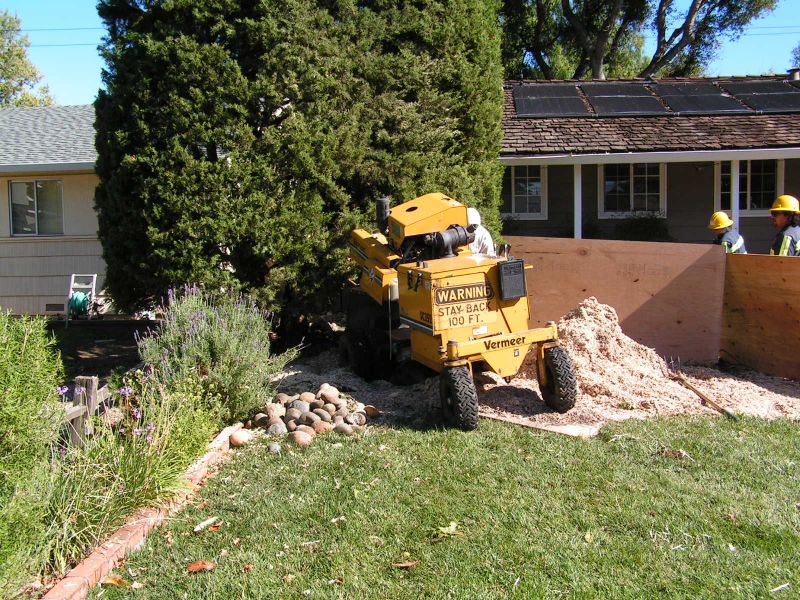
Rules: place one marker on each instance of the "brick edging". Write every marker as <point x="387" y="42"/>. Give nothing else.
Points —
<point x="76" y="584"/>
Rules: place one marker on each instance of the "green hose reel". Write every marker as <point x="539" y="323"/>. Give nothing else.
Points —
<point x="78" y="304"/>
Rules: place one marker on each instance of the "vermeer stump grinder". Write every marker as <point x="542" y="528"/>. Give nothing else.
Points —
<point x="423" y="297"/>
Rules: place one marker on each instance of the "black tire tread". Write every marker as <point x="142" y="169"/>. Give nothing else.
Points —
<point x="561" y="390"/>
<point x="457" y="383"/>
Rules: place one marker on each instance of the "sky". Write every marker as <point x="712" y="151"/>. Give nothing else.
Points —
<point x="64" y="35"/>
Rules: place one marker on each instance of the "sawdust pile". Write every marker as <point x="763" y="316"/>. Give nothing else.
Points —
<point x="618" y="379"/>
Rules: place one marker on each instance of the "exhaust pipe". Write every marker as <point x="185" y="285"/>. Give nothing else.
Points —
<point x="382" y="214"/>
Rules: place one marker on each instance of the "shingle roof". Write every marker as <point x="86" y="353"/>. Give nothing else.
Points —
<point x="47" y="135"/>
<point x="582" y="135"/>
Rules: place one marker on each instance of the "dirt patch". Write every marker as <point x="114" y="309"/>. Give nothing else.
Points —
<point x="97" y="347"/>
<point x="618" y="379"/>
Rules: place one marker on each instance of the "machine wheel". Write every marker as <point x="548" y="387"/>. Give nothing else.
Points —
<point x="561" y="389"/>
<point x="459" y="398"/>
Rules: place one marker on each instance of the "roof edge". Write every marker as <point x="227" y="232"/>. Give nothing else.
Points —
<point x="47" y="168"/>
<point x="654" y="156"/>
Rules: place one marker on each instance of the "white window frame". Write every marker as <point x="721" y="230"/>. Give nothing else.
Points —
<point x="35" y="207"/>
<point x="540" y="216"/>
<point x="627" y="214"/>
<point x="745" y="164"/>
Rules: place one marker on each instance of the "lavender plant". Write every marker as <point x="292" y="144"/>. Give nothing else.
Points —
<point x="223" y="340"/>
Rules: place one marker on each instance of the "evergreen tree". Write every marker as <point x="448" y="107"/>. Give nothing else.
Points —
<point x="240" y="142"/>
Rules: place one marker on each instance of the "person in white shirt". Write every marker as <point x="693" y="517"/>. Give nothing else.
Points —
<point x="483" y="243"/>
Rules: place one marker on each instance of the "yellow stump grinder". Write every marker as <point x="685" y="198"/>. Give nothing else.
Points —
<point x="423" y="297"/>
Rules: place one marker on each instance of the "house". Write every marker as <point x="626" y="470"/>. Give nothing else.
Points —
<point x="48" y="227"/>
<point x="582" y="157"/>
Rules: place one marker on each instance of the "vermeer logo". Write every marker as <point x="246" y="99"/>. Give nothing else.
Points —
<point x="489" y="345"/>
<point x="463" y="293"/>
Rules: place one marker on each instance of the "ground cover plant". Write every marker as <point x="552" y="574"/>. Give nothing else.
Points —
<point x="678" y="508"/>
<point x="30" y="372"/>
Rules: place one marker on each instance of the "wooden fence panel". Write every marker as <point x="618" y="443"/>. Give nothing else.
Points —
<point x="761" y="316"/>
<point x="668" y="296"/>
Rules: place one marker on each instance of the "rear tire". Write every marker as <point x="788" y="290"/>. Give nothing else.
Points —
<point x="459" y="398"/>
<point x="561" y="389"/>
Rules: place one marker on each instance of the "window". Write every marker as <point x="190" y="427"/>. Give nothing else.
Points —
<point x="525" y="192"/>
<point x="760" y="182"/>
<point x="36" y="207"/>
<point x="627" y="189"/>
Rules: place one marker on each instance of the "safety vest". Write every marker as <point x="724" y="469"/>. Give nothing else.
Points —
<point x="732" y="242"/>
<point x="787" y="242"/>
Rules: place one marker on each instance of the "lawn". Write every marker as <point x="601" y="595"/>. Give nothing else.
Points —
<point x="677" y="508"/>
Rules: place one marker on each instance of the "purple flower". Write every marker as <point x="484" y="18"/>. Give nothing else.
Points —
<point x="122" y="430"/>
<point x="150" y="428"/>
<point x="149" y="438"/>
<point x="137" y="414"/>
<point x="62" y="451"/>
<point x="62" y="390"/>
<point x="137" y="432"/>
<point x="79" y="389"/>
<point x="125" y="391"/>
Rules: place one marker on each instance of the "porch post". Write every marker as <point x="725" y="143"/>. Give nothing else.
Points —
<point x="577" y="196"/>
<point x="735" y="193"/>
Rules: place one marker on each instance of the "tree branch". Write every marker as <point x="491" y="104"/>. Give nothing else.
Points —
<point x="681" y="37"/>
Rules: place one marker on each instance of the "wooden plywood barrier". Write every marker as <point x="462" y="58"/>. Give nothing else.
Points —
<point x="668" y="296"/>
<point x="761" y="316"/>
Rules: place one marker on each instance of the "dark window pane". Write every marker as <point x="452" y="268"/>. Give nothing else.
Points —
<point x="505" y="206"/>
<point x="23" y="208"/>
<point x="48" y="204"/>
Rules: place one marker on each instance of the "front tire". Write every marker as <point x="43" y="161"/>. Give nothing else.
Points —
<point x="459" y="398"/>
<point x="561" y="389"/>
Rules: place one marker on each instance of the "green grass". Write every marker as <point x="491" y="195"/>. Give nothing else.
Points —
<point x="686" y="508"/>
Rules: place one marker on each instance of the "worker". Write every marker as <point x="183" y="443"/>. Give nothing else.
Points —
<point x="483" y="243"/>
<point x="725" y="234"/>
<point x="787" y="241"/>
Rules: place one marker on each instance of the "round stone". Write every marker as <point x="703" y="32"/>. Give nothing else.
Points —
<point x="240" y="438"/>
<point x="292" y="414"/>
<point x="371" y="411"/>
<point x="322" y="414"/>
<point x="300" y="405"/>
<point x="306" y="429"/>
<point x="274" y="448"/>
<point x="301" y="438"/>
<point x="343" y="428"/>
<point x="330" y="408"/>
<point x="278" y="428"/>
<point x="322" y="427"/>
<point x="308" y="418"/>
<point x="307" y="397"/>
<point x="275" y="411"/>
<point x="291" y="425"/>
<point x="283" y="398"/>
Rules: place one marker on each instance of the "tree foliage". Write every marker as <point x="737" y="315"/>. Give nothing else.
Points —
<point x="598" y="38"/>
<point x="240" y="142"/>
<point x="18" y="76"/>
<point x="796" y="56"/>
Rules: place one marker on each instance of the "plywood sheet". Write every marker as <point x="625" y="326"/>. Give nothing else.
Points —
<point x="667" y="296"/>
<point x="761" y="314"/>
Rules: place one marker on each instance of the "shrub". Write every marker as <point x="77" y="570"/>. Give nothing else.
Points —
<point x="30" y="372"/>
<point x="644" y="228"/>
<point x="223" y="340"/>
<point x="135" y="463"/>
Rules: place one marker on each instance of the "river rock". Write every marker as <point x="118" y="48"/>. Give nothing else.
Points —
<point x="292" y="414"/>
<point x="343" y="428"/>
<point x="300" y="405"/>
<point x="301" y="438"/>
<point x="240" y="438"/>
<point x="322" y="427"/>
<point x="371" y="411"/>
<point x="291" y="425"/>
<point x="278" y="428"/>
<point x="275" y="411"/>
<point x="322" y="414"/>
<point x="307" y="397"/>
<point x="274" y="448"/>
<point x="329" y="395"/>
<point x="329" y="408"/>
<point x="308" y="418"/>
<point x="283" y="398"/>
<point x="260" y="420"/>
<point x="306" y="429"/>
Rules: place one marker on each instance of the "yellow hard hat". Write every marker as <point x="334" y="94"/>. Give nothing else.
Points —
<point x="785" y="203"/>
<point x="720" y="220"/>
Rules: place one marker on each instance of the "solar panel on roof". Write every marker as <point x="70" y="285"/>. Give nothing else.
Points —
<point x="550" y="107"/>
<point x="705" y="105"/>
<point x="666" y="90"/>
<point x="597" y="90"/>
<point x="627" y="106"/>
<point x="546" y="90"/>
<point x="773" y="102"/>
<point x="757" y="87"/>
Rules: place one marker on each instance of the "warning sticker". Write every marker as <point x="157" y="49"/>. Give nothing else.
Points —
<point x="464" y="306"/>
